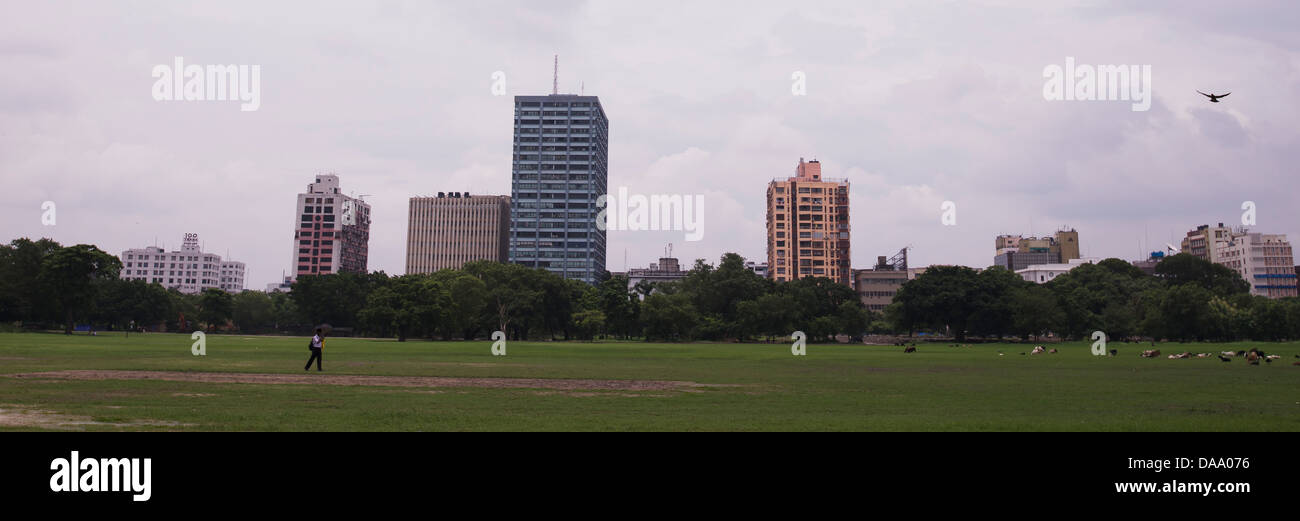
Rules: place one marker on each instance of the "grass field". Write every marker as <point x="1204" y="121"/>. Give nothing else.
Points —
<point x="257" y="383"/>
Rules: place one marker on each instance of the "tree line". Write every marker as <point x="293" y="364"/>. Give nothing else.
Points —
<point x="724" y="302"/>
<point x="44" y="284"/>
<point x="1188" y="298"/>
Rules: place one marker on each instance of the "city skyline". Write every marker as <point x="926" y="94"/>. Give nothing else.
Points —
<point x="914" y="105"/>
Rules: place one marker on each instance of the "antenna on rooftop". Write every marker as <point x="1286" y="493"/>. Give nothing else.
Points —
<point x="555" y="77"/>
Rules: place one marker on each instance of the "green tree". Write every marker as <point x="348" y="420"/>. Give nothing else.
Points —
<point x="463" y="315"/>
<point x="1179" y="312"/>
<point x="853" y="319"/>
<point x="513" y="293"/>
<point x="588" y="323"/>
<point x="379" y="316"/>
<point x="285" y="313"/>
<point x="73" y="277"/>
<point x="409" y="305"/>
<point x="22" y="297"/>
<point x="1034" y="311"/>
<point x="253" y="311"/>
<point x="939" y="298"/>
<point x="127" y="303"/>
<point x="1102" y="296"/>
<point x="216" y="307"/>
<point x="1184" y="268"/>
<point x="771" y="315"/>
<point x="991" y="313"/>
<point x="336" y="298"/>
<point x="1268" y="319"/>
<point x="670" y="317"/>
<point x="620" y="306"/>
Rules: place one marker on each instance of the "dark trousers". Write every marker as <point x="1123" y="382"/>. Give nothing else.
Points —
<point x="315" y="355"/>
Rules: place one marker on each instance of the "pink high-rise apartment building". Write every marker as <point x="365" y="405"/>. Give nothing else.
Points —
<point x="332" y="231"/>
<point x="808" y="226"/>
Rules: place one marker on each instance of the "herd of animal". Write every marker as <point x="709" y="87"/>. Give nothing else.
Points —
<point x="1252" y="357"/>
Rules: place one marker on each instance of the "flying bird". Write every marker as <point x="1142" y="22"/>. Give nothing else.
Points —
<point x="1214" y="98"/>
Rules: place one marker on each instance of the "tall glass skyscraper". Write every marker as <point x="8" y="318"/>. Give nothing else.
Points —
<point x="560" y="167"/>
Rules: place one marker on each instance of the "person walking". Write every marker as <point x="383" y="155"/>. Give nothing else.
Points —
<point x="317" y="346"/>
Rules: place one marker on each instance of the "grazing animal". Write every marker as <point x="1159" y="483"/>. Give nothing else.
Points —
<point x="1038" y="350"/>
<point x="1151" y="353"/>
<point x="1114" y="352"/>
<point x="1224" y="358"/>
<point x="1229" y="354"/>
<point x="1053" y="351"/>
<point x="909" y="349"/>
<point x="1272" y="357"/>
<point x="1253" y="358"/>
<point x="1203" y="355"/>
<point x="1181" y="355"/>
<point x="1241" y="353"/>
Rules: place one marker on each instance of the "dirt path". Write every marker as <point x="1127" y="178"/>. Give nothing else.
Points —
<point x="384" y="381"/>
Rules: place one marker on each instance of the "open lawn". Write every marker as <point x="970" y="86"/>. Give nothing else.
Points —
<point x="152" y="382"/>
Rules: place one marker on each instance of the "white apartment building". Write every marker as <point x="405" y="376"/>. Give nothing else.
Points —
<point x="1263" y="260"/>
<point x="188" y="270"/>
<point x="232" y="277"/>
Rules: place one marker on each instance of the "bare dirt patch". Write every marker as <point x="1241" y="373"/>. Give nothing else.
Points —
<point x="25" y="417"/>
<point x="588" y="394"/>
<point x="367" y="380"/>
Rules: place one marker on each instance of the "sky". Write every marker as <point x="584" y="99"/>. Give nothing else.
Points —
<point x="913" y="102"/>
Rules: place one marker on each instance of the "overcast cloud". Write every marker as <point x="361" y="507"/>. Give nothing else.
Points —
<point x="914" y="102"/>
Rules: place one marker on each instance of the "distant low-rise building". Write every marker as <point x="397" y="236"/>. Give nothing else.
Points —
<point x="876" y="287"/>
<point x="1014" y="252"/>
<point x="188" y="270"/>
<point x="759" y="268"/>
<point x="666" y="270"/>
<point x="1044" y="273"/>
<point x="1204" y="242"/>
<point x="284" y="286"/>
<point x="1148" y="266"/>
